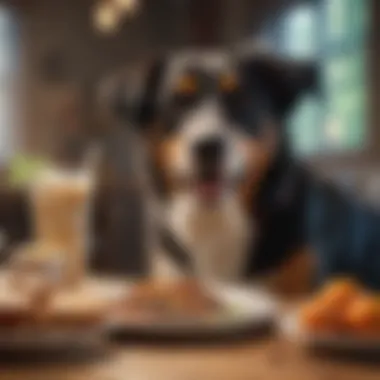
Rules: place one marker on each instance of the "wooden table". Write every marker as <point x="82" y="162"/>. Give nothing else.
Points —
<point x="263" y="359"/>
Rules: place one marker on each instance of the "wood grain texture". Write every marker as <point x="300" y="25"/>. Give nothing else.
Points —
<point x="271" y="359"/>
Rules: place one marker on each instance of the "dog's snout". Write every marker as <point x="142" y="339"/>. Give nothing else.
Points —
<point x="209" y="149"/>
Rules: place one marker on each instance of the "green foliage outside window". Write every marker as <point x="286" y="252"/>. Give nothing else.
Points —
<point x="333" y="33"/>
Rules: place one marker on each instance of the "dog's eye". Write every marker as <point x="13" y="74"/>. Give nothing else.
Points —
<point x="228" y="83"/>
<point x="187" y="85"/>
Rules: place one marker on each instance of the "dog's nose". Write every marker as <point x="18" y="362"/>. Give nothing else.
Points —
<point x="209" y="149"/>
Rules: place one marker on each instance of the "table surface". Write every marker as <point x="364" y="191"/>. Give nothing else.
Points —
<point x="264" y="359"/>
<point x="271" y="357"/>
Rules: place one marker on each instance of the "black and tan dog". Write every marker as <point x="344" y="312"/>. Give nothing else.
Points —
<point x="232" y="198"/>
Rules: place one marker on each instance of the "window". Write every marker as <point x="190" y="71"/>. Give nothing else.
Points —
<point x="333" y="33"/>
<point x="8" y="61"/>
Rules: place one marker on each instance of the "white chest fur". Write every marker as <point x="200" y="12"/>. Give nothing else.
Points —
<point x="216" y="237"/>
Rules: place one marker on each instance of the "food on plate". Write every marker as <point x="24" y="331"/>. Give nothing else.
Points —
<point x="168" y="300"/>
<point x="342" y="307"/>
<point x="314" y="317"/>
<point x="326" y="309"/>
<point x="339" y="292"/>
<point x="363" y="315"/>
<point x="74" y="311"/>
<point x="32" y="293"/>
<point x="51" y="308"/>
<point x="34" y="266"/>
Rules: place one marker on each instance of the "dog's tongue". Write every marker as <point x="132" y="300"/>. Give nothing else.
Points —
<point x="209" y="190"/>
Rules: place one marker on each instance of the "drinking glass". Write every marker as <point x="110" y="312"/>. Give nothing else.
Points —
<point x="60" y="202"/>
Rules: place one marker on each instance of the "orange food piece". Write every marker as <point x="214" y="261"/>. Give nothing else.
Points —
<point x="363" y="315"/>
<point x="327" y="311"/>
<point x="342" y="306"/>
<point x="314" y="318"/>
<point x="339" y="293"/>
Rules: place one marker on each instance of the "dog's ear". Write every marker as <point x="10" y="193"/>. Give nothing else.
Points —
<point x="284" y="81"/>
<point x="131" y="96"/>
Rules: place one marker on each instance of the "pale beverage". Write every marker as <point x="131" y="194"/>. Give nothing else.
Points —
<point x="60" y="202"/>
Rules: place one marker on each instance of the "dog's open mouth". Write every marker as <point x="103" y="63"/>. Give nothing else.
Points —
<point x="209" y="184"/>
<point x="209" y="190"/>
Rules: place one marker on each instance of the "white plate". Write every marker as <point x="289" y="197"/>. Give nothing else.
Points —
<point x="246" y="309"/>
<point x="292" y="329"/>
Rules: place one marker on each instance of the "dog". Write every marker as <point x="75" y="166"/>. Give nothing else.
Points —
<point x="233" y="202"/>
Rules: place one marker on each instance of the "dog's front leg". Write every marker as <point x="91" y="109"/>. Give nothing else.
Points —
<point x="160" y="263"/>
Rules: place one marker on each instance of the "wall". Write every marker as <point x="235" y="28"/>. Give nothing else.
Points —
<point x="65" y="26"/>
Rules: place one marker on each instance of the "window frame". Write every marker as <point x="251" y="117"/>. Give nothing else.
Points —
<point x="9" y="84"/>
<point x="338" y="156"/>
